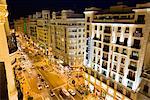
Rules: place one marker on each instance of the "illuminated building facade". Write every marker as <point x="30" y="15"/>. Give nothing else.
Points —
<point x="33" y="27"/>
<point x="116" y="40"/>
<point x="67" y="37"/>
<point x="43" y="29"/>
<point x="8" y="50"/>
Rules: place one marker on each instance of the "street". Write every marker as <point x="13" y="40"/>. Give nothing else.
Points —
<point x="34" y="64"/>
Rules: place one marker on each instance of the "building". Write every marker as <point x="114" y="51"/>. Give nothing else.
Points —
<point x="19" y="25"/>
<point x="8" y="51"/>
<point x="43" y="29"/>
<point x="67" y="38"/>
<point x="33" y="28"/>
<point x="116" y="40"/>
<point x="144" y="87"/>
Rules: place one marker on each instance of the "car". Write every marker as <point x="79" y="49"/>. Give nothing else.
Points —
<point x="72" y="92"/>
<point x="39" y="87"/>
<point x="64" y="93"/>
<point x="46" y="85"/>
<point x="39" y="76"/>
<point x="42" y="80"/>
<point x="52" y="93"/>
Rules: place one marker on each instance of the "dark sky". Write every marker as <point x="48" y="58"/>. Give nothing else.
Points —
<point x="19" y="8"/>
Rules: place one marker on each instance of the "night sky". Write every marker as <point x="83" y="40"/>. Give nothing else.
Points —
<point x="18" y="8"/>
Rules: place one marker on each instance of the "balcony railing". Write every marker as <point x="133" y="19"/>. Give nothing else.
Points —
<point x="137" y="46"/>
<point x="134" y="57"/>
<point x="131" y="78"/>
<point x="132" y="68"/>
<point x="106" y="41"/>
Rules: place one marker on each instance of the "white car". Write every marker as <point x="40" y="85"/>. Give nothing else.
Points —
<point x="46" y="85"/>
<point x="64" y="92"/>
<point x="52" y="93"/>
<point x="39" y="87"/>
<point x="72" y="92"/>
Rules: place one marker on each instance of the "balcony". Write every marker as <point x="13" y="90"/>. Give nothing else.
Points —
<point x="136" y="46"/>
<point x="104" y="66"/>
<point x="107" y="31"/>
<point x="131" y="78"/>
<point x="105" y="58"/>
<point x="12" y="43"/>
<point x="134" y="57"/>
<point x="106" y="40"/>
<point x="132" y="68"/>
<point x="106" y="48"/>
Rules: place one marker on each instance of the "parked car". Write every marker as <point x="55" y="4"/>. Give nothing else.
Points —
<point x="52" y="93"/>
<point x="72" y="92"/>
<point x="39" y="87"/>
<point x="46" y="85"/>
<point x="39" y="76"/>
<point x="64" y="93"/>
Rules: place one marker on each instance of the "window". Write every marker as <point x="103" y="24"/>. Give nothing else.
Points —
<point x="121" y="70"/>
<point x="138" y="32"/>
<point x="106" y="48"/>
<point x="79" y="41"/>
<point x="104" y="72"/>
<point x="141" y="19"/>
<point x="79" y="46"/>
<point x="99" y="45"/>
<point x="136" y="44"/>
<point x="94" y="51"/>
<point x="119" y="29"/>
<point x="134" y="55"/>
<point x="79" y="35"/>
<point x="120" y="79"/>
<point x="117" y="49"/>
<point x="122" y="60"/>
<point x="146" y="88"/>
<point x="79" y="30"/>
<point x="88" y="27"/>
<point x="87" y="35"/>
<point x="114" y="76"/>
<point x="95" y="27"/>
<point x="94" y="59"/>
<point x="100" y="28"/>
<point x="115" y="58"/>
<point x="115" y="67"/>
<point x="129" y="84"/>
<point x="127" y="30"/>
<point x="88" y="19"/>
<point x="94" y="43"/>
<point x="124" y="51"/>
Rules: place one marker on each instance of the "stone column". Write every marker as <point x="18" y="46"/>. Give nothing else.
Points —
<point x="4" y="53"/>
